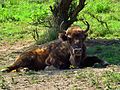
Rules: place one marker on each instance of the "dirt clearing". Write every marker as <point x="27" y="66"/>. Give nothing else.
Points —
<point x="52" y="79"/>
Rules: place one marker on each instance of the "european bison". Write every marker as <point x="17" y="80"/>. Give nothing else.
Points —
<point x="75" y="38"/>
<point x="68" y="50"/>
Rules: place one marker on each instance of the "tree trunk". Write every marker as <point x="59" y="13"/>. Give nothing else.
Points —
<point x="62" y="16"/>
<point x="3" y="3"/>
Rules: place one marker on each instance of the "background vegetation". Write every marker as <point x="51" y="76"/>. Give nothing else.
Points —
<point x="19" y="18"/>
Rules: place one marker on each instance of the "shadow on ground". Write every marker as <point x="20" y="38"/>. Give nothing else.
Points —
<point x="108" y="50"/>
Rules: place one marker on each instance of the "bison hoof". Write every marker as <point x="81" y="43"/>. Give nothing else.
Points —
<point x="105" y="64"/>
<point x="4" y="70"/>
<point x="97" y="65"/>
<point x="102" y="65"/>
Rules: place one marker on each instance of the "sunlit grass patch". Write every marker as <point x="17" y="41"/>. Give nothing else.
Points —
<point x="111" y="80"/>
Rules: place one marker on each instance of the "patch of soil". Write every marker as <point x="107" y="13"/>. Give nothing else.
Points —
<point x="75" y="79"/>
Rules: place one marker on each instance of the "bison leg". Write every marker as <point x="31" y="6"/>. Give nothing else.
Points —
<point x="57" y="63"/>
<point x="19" y="63"/>
<point x="10" y="68"/>
<point x="15" y="66"/>
<point x="90" y="61"/>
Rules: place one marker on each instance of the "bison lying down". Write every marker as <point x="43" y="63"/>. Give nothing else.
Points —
<point x="69" y="50"/>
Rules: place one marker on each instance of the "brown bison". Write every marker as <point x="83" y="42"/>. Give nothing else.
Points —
<point x="75" y="38"/>
<point x="69" y="50"/>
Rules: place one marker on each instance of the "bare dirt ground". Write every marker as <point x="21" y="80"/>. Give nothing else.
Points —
<point x="52" y="79"/>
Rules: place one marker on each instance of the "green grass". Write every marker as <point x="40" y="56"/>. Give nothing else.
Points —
<point x="108" y="80"/>
<point x="110" y="53"/>
<point x="111" y="80"/>
<point x="12" y="32"/>
<point x="3" y="83"/>
<point x="107" y="11"/>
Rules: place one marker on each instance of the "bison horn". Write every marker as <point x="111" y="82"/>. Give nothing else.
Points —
<point x="88" y="26"/>
<point x="61" y="25"/>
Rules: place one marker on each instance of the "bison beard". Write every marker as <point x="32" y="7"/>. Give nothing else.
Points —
<point x="69" y="50"/>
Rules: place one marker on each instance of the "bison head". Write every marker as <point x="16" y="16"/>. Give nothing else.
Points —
<point x="75" y="38"/>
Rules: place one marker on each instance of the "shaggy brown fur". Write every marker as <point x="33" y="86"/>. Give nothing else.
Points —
<point x="55" y="53"/>
<point x="75" y="38"/>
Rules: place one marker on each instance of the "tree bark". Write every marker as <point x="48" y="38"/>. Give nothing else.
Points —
<point x="61" y="13"/>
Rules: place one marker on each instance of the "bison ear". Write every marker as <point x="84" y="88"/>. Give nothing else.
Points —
<point x="62" y="36"/>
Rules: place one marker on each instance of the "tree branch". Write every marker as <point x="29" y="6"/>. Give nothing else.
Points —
<point x="78" y="9"/>
<point x="54" y="11"/>
<point x="101" y="22"/>
<point x="61" y="9"/>
<point x="64" y="8"/>
<point x="61" y="12"/>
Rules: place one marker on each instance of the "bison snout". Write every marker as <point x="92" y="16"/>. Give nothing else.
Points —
<point x="77" y="51"/>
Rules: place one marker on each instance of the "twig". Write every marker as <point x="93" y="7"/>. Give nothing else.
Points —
<point x="35" y="35"/>
<point x="102" y="22"/>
